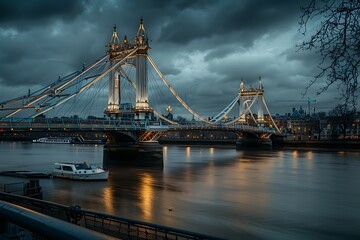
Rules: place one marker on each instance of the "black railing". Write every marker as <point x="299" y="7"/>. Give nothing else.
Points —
<point x="104" y="223"/>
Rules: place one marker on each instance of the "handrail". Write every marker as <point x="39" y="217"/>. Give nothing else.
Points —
<point x="45" y="226"/>
<point x="100" y="124"/>
<point x="104" y="223"/>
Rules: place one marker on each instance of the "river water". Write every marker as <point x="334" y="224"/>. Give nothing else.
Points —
<point x="220" y="191"/>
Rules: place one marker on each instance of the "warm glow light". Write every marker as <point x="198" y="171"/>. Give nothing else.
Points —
<point x="211" y="151"/>
<point x="165" y="151"/>
<point x="108" y="200"/>
<point x="188" y="152"/>
<point x="147" y="193"/>
<point x="295" y="161"/>
<point x="309" y="155"/>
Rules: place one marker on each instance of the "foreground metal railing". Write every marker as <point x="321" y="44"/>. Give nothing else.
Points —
<point x="30" y="189"/>
<point x="21" y="223"/>
<point x="104" y="223"/>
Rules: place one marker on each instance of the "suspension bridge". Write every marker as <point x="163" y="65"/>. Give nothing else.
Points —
<point x="123" y="76"/>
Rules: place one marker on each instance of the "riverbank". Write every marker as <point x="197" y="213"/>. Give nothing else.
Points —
<point x="327" y="144"/>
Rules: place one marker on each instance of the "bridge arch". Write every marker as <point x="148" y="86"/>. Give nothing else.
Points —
<point x="120" y="136"/>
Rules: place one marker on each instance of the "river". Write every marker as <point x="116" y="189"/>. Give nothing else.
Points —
<point x="220" y="191"/>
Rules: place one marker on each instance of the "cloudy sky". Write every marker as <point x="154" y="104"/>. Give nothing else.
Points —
<point x="203" y="47"/>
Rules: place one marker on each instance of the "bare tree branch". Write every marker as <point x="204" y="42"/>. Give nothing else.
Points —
<point x="337" y="40"/>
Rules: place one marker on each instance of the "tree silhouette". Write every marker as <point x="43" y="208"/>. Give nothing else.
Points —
<point x="337" y="40"/>
<point x="341" y="117"/>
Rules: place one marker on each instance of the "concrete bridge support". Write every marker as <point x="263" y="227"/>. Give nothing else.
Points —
<point x="253" y="141"/>
<point x="124" y="148"/>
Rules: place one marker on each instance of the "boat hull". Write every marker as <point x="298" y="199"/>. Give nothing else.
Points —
<point x="103" y="176"/>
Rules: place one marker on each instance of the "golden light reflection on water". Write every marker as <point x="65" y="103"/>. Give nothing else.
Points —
<point x="211" y="151"/>
<point x="309" y="155"/>
<point x="147" y="195"/>
<point x="211" y="173"/>
<point x="295" y="154"/>
<point x="165" y="153"/>
<point x="188" y="150"/>
<point x="295" y="160"/>
<point x="250" y="171"/>
<point x="108" y="200"/>
<point x="309" y="164"/>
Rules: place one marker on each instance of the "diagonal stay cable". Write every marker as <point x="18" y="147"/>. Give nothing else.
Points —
<point x="87" y="85"/>
<point x="175" y="94"/>
<point x="246" y="110"/>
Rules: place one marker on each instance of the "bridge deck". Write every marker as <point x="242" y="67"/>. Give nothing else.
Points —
<point x="115" y="125"/>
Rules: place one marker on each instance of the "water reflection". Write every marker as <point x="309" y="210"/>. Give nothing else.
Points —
<point x="139" y="157"/>
<point x="165" y="153"/>
<point x="108" y="199"/>
<point x="309" y="155"/>
<point x="295" y="154"/>
<point x="147" y="195"/>
<point x="211" y="151"/>
<point x="217" y="191"/>
<point x="188" y="151"/>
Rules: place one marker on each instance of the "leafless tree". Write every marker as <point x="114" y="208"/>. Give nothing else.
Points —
<point x="337" y="40"/>
<point x="341" y="118"/>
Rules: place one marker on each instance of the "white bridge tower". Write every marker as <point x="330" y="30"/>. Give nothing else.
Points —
<point x="246" y="101"/>
<point x="114" y="97"/>
<point x="142" y="102"/>
<point x="118" y="52"/>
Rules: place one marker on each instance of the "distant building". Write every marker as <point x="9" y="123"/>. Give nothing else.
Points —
<point x="297" y="125"/>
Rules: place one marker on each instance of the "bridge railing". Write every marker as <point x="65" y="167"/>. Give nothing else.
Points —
<point x="223" y="127"/>
<point x="122" y="228"/>
<point x="71" y="123"/>
<point x="110" y="124"/>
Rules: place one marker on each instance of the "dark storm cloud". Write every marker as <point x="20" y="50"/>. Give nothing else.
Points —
<point x="203" y="47"/>
<point x="24" y="14"/>
<point x="246" y="19"/>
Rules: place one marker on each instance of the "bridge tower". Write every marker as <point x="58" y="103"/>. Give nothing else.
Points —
<point x="247" y="97"/>
<point x="242" y="103"/>
<point x="114" y="97"/>
<point x="259" y="101"/>
<point x="118" y="52"/>
<point x="142" y="102"/>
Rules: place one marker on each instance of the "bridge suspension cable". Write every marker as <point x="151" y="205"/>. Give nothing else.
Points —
<point x="272" y="120"/>
<point x="87" y="85"/>
<point x="134" y="86"/>
<point x="175" y="94"/>
<point x="73" y="79"/>
<point x="51" y="91"/>
<point x="246" y="110"/>
<point x="226" y="110"/>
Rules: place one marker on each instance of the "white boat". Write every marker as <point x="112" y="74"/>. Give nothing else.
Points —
<point x="54" y="140"/>
<point x="79" y="171"/>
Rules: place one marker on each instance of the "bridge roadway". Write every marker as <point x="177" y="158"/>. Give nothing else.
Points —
<point x="74" y="125"/>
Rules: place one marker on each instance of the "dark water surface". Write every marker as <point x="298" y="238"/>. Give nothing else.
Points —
<point x="218" y="191"/>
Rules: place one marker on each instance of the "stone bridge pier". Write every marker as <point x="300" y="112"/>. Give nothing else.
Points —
<point x="247" y="140"/>
<point x="130" y="148"/>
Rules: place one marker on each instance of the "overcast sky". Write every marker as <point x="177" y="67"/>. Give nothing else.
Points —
<point x="203" y="48"/>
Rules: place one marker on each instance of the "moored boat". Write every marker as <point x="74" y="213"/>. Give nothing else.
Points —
<point x="79" y="171"/>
